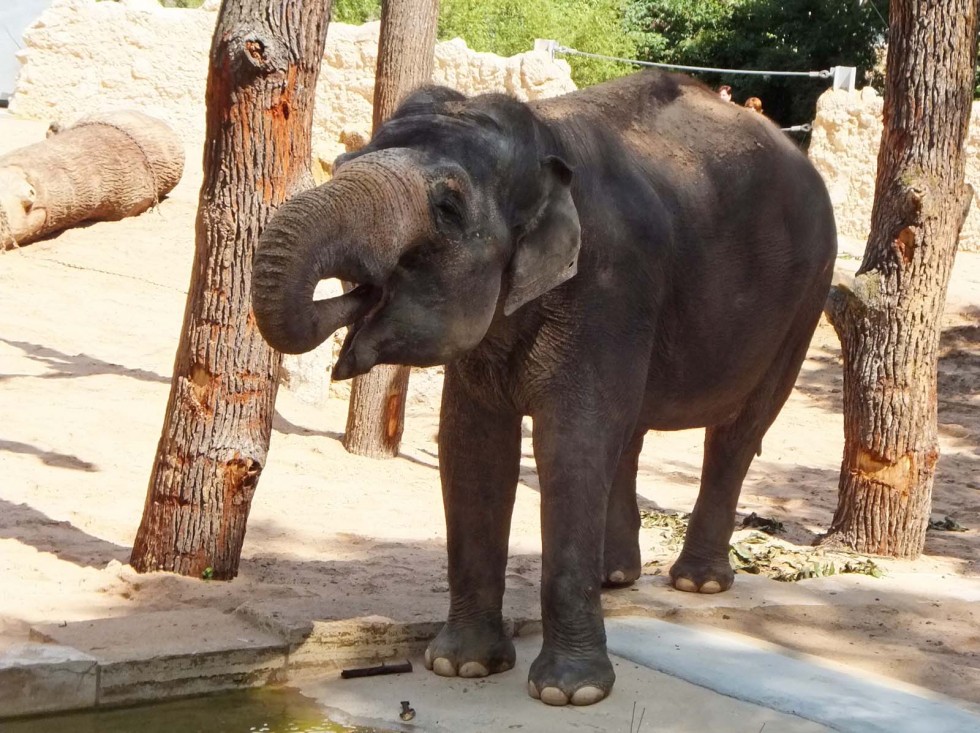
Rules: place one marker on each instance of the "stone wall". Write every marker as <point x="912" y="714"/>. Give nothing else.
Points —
<point x="83" y="56"/>
<point x="844" y="148"/>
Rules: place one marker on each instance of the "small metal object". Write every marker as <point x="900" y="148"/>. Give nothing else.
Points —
<point x="374" y="671"/>
<point x="407" y="712"/>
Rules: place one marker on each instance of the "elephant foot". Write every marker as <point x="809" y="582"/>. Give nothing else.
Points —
<point x="620" y="576"/>
<point x="702" y="576"/>
<point x="473" y="650"/>
<point x="622" y="565"/>
<point x="557" y="679"/>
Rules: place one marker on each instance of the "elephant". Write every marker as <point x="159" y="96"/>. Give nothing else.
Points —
<point x="633" y="256"/>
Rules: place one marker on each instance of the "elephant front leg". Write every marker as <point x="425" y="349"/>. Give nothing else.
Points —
<point x="575" y="472"/>
<point x="479" y="462"/>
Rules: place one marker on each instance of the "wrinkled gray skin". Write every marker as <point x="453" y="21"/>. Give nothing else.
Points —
<point x="704" y="244"/>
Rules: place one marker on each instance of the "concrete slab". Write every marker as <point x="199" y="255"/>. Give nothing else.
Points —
<point x="760" y="673"/>
<point x="155" y="656"/>
<point x="45" y="678"/>
<point x="331" y="645"/>
<point x="321" y="638"/>
<point x="501" y="703"/>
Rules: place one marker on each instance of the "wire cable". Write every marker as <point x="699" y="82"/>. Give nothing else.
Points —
<point x="566" y="51"/>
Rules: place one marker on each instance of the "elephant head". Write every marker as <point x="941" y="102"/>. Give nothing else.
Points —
<point x="450" y="216"/>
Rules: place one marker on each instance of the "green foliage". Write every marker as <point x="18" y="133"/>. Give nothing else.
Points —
<point x="355" y="12"/>
<point x="182" y="3"/>
<point x="976" y="78"/>
<point x="667" y="31"/>
<point x="781" y="35"/>
<point x="671" y="528"/>
<point x="758" y="554"/>
<point x="946" y="524"/>
<point x="508" y="27"/>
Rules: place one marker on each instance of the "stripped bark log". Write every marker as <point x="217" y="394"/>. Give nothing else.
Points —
<point x="104" y="167"/>
<point x="265" y="59"/>
<point x="406" y="48"/>
<point x="889" y="318"/>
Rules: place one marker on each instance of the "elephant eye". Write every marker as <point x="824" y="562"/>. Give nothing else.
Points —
<point x="447" y="201"/>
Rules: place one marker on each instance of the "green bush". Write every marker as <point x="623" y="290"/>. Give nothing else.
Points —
<point x="781" y="35"/>
<point x="508" y="27"/>
<point x="355" y="12"/>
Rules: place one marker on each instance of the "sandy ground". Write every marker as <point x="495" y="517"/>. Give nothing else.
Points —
<point x="89" y="324"/>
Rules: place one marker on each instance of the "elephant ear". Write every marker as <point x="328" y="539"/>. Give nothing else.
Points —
<point x="547" y="246"/>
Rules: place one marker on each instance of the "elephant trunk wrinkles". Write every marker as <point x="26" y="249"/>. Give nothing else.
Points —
<point x="355" y="227"/>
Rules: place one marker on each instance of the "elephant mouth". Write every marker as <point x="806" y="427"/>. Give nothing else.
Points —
<point x="352" y="360"/>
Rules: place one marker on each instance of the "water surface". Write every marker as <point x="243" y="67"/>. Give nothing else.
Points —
<point x="269" y="710"/>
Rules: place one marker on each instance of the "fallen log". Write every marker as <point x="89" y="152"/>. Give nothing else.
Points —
<point x="104" y="167"/>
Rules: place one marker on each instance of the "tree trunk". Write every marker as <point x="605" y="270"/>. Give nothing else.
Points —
<point x="106" y="166"/>
<point x="265" y="59"/>
<point x="376" y="414"/>
<point x="889" y="320"/>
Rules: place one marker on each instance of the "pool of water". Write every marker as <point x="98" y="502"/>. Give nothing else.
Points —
<point x="269" y="710"/>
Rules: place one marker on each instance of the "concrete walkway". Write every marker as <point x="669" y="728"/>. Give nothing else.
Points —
<point x="817" y="690"/>
<point x="501" y="703"/>
<point x="681" y="677"/>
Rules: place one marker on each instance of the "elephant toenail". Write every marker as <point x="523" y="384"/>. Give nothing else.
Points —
<point x="428" y="659"/>
<point x="686" y="584"/>
<point x="712" y="586"/>
<point x="443" y="667"/>
<point x="617" y="576"/>
<point x="587" y="695"/>
<point x="532" y="690"/>
<point x="473" y="669"/>
<point x="553" y="696"/>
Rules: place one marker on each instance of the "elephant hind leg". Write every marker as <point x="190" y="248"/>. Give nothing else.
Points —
<point x="621" y="548"/>
<point x="703" y="565"/>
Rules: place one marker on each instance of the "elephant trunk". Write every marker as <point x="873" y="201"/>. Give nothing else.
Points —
<point x="355" y="227"/>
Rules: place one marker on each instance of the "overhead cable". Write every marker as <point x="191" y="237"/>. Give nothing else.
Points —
<point x="566" y="51"/>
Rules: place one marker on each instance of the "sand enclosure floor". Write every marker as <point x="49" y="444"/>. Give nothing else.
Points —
<point x="89" y="324"/>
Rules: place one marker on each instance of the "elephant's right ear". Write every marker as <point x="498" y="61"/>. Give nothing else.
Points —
<point x="548" y="245"/>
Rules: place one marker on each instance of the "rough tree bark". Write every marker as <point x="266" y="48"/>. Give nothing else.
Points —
<point x="376" y="414"/>
<point x="105" y="166"/>
<point x="265" y="59"/>
<point x="889" y="319"/>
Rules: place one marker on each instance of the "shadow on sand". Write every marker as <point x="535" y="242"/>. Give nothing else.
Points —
<point x="68" y="366"/>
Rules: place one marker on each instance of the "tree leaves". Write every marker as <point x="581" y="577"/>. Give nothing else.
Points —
<point x="508" y="27"/>
<point x="781" y="35"/>
<point x="759" y="554"/>
<point x="756" y="553"/>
